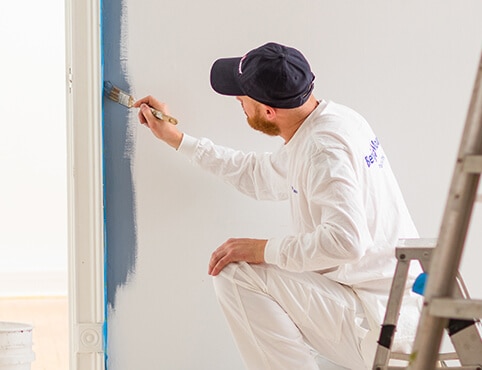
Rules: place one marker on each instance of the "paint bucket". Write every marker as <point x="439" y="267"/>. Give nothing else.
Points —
<point x="15" y="346"/>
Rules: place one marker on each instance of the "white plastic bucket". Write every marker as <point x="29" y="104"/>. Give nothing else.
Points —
<point x="15" y="346"/>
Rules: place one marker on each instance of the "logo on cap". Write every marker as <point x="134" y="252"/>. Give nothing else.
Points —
<point x="240" y="66"/>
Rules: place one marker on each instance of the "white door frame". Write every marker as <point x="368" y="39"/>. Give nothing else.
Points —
<point x="85" y="191"/>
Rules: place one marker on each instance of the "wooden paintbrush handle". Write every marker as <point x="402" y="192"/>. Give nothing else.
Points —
<point x="163" y="116"/>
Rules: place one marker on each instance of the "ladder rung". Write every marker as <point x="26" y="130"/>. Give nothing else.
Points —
<point x="473" y="164"/>
<point x="400" y="356"/>
<point x="410" y="249"/>
<point x="448" y="356"/>
<point x="417" y="243"/>
<point x="456" y="308"/>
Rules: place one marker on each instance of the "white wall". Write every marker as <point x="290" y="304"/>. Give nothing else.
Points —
<point x="407" y="66"/>
<point x="33" y="210"/>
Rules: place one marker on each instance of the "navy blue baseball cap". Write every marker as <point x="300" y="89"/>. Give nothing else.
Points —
<point x="272" y="74"/>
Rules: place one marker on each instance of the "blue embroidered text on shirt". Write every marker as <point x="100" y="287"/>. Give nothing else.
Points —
<point x="294" y="190"/>
<point x="373" y="156"/>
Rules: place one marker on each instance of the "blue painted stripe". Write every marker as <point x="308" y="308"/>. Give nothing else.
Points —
<point x="120" y="251"/>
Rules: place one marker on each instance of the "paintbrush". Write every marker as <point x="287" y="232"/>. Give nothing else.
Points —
<point x="123" y="98"/>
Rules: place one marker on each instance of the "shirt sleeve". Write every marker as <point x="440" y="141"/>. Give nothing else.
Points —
<point x="338" y="233"/>
<point x="260" y="176"/>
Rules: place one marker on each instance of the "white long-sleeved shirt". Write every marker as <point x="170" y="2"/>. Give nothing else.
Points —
<point x="347" y="208"/>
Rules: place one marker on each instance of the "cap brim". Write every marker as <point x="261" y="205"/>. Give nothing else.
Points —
<point x="224" y="77"/>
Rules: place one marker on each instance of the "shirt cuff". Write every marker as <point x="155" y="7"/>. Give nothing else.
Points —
<point x="271" y="251"/>
<point x="188" y="145"/>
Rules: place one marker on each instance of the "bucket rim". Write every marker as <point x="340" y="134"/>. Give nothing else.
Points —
<point x="8" y="327"/>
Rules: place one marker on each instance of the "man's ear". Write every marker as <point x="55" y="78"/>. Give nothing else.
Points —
<point x="270" y="113"/>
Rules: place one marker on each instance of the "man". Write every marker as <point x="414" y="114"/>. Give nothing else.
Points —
<point x="323" y="289"/>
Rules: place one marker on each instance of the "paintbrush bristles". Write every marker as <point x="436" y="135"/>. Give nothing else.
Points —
<point x="121" y="97"/>
<point x="126" y="99"/>
<point x="117" y="95"/>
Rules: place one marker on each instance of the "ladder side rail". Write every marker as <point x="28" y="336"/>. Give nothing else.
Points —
<point x="447" y="255"/>
<point x="463" y="332"/>
<point x="387" y="332"/>
<point x="418" y="250"/>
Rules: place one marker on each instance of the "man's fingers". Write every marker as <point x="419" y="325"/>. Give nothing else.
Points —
<point x="235" y="250"/>
<point x="138" y="103"/>
<point x="220" y="264"/>
<point x="141" y="117"/>
<point x="147" y="115"/>
<point x="219" y="259"/>
<point x="149" y="100"/>
<point x="215" y="257"/>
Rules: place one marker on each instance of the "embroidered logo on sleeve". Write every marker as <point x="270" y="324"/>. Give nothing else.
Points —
<point x="374" y="156"/>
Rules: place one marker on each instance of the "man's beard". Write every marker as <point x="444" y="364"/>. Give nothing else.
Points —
<point x="261" y="124"/>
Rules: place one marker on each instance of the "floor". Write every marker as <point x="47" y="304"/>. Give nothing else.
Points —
<point x="49" y="317"/>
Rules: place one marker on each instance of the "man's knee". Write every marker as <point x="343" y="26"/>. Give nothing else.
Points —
<point x="238" y="278"/>
<point x="224" y="282"/>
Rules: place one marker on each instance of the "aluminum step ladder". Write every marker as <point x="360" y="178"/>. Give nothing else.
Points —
<point x="462" y="332"/>
<point x="444" y="302"/>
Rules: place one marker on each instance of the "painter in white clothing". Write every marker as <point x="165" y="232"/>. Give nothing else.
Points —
<point x="321" y="291"/>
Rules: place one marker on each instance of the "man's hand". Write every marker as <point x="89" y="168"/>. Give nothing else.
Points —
<point x="234" y="250"/>
<point x="161" y="129"/>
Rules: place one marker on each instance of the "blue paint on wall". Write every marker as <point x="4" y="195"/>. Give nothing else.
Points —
<point x="104" y="324"/>
<point x="120" y="231"/>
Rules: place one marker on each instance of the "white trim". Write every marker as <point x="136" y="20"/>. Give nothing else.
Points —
<point x="84" y="143"/>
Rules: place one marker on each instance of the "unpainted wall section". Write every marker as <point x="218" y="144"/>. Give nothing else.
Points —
<point x="407" y="66"/>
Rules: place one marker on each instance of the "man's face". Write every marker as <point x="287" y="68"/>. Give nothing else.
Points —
<point x="256" y="118"/>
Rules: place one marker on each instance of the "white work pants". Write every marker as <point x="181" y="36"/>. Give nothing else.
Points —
<point x="278" y="317"/>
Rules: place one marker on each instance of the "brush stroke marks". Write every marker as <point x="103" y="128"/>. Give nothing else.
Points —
<point x="120" y="230"/>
